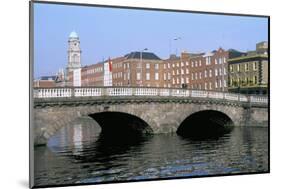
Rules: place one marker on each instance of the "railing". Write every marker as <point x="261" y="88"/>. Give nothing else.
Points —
<point x="131" y="91"/>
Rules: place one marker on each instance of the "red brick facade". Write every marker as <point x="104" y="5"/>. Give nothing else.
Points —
<point x="205" y="71"/>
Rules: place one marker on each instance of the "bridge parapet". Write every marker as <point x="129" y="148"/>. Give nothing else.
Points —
<point x="80" y="92"/>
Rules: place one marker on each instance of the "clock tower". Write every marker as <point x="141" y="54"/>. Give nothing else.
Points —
<point x="74" y="53"/>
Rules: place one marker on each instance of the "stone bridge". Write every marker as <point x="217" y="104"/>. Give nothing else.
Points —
<point x="143" y="110"/>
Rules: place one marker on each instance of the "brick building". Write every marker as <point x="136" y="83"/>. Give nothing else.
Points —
<point x="202" y="71"/>
<point x="205" y="71"/>
<point x="45" y="82"/>
<point x="142" y="69"/>
<point x="249" y="73"/>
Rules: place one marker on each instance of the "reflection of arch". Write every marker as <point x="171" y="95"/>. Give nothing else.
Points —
<point x="121" y="124"/>
<point x="206" y="123"/>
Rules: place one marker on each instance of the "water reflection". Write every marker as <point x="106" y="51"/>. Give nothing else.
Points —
<point x="80" y="154"/>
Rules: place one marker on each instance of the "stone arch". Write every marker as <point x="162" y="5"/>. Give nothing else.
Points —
<point x="116" y="124"/>
<point x="205" y="123"/>
<point x="126" y="109"/>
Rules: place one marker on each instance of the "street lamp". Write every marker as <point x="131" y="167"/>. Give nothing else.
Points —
<point x="145" y="49"/>
<point x="176" y="39"/>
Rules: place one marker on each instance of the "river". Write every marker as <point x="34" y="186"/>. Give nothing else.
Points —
<point x="79" y="154"/>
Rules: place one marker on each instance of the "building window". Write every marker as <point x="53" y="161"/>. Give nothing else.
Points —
<point x="182" y="64"/>
<point x="216" y="62"/>
<point x="138" y="76"/>
<point x="220" y="84"/>
<point x="178" y="65"/>
<point x="182" y="71"/>
<point x="187" y="71"/>
<point x="208" y="60"/>
<point x="186" y="63"/>
<point x="147" y="76"/>
<point x="156" y="76"/>
<point x="178" y="81"/>
<point x="187" y="80"/>
<point x="206" y="73"/>
<point x="173" y="72"/>
<point x="192" y="76"/>
<point x="224" y="71"/>
<point x="255" y="80"/>
<point x="216" y="84"/>
<point x="220" y="72"/>
<point x="216" y="72"/>
<point x="147" y="66"/>
<point x="164" y="66"/>
<point x="238" y="68"/>
<point x="199" y="62"/>
<point x="231" y="68"/>
<point x="168" y="65"/>
<point x="192" y="64"/>
<point x="173" y="65"/>
<point x="156" y="66"/>
<point x="247" y="67"/>
<point x="200" y="75"/>
<point x="165" y="76"/>
<point x="182" y="80"/>
<point x="210" y="73"/>
<point x="196" y="76"/>
<point x="169" y="76"/>
<point x="224" y="83"/>
<point x="196" y="64"/>
<point x="173" y="81"/>
<point x="210" y="86"/>
<point x="206" y="86"/>
<point x="255" y="67"/>
<point x="178" y="72"/>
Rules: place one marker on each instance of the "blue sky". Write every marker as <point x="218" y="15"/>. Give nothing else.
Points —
<point x="110" y="32"/>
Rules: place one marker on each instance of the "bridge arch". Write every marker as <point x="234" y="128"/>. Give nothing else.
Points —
<point x="205" y="123"/>
<point x="118" y="124"/>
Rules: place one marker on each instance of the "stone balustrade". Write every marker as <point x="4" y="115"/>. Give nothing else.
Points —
<point x="144" y="91"/>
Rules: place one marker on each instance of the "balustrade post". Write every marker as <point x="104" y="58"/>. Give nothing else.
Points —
<point x="72" y="92"/>
<point x="103" y="91"/>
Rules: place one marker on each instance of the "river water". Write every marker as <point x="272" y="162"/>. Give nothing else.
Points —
<point x="79" y="154"/>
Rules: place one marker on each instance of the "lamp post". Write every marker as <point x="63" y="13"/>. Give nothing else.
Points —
<point x="176" y="39"/>
<point x="222" y="63"/>
<point x="145" y="49"/>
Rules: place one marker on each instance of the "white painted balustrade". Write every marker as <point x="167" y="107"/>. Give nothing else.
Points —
<point x="144" y="91"/>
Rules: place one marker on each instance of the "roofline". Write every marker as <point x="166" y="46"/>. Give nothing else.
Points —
<point x="247" y="57"/>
